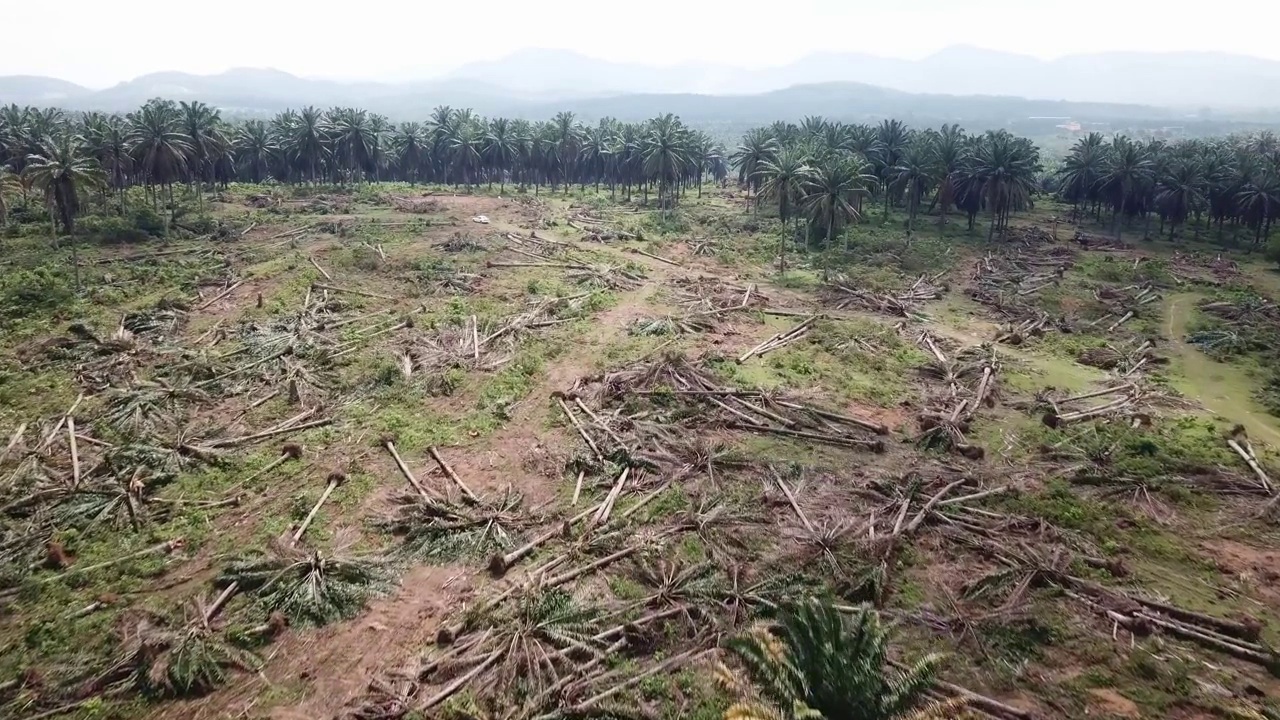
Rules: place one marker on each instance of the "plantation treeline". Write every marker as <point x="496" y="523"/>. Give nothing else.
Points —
<point x="166" y="143"/>
<point x="817" y="172"/>
<point x="821" y="166"/>
<point x="1233" y="181"/>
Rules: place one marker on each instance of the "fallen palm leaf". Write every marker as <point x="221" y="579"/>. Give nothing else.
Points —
<point x="311" y="588"/>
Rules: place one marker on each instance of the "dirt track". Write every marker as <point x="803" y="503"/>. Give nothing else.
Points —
<point x="1220" y="388"/>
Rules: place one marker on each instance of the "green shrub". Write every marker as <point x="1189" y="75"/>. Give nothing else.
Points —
<point x="110" y="230"/>
<point x="147" y="220"/>
<point x="138" y="224"/>
<point x="32" y="292"/>
<point x="1269" y="393"/>
<point x="30" y="214"/>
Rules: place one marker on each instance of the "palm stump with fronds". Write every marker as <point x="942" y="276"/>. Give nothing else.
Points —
<point x="816" y="663"/>
<point x="310" y="587"/>
<point x="175" y="657"/>
<point x="443" y="532"/>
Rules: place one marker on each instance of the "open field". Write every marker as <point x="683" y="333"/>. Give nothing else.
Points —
<point x="404" y="452"/>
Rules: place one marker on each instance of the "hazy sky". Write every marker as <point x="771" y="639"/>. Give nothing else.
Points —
<point x="99" y="43"/>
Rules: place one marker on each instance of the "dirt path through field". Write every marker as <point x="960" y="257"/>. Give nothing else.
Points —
<point x="1222" y="389"/>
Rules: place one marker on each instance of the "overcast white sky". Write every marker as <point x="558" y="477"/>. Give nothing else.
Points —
<point x="100" y="43"/>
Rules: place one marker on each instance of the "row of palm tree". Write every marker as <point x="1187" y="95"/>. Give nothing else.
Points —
<point x="820" y="172"/>
<point x="817" y="171"/>
<point x="1233" y="181"/>
<point x="165" y="143"/>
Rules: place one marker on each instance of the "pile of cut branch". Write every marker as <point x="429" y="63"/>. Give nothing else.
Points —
<point x="670" y="397"/>
<point x="970" y="380"/>
<point x="705" y="296"/>
<point x="415" y="205"/>
<point x="602" y="276"/>
<point x="1121" y="401"/>
<point x="460" y="242"/>
<point x="596" y="229"/>
<point x="1125" y="361"/>
<point x="97" y="362"/>
<point x="1196" y="267"/>
<point x="842" y="295"/>
<point x="536" y="246"/>
<point x="1089" y="241"/>
<point x="1006" y="282"/>
<point x="1122" y="304"/>
<point x="1141" y="616"/>
<point x="538" y="651"/>
<point x="668" y="325"/>
<point x="488" y="345"/>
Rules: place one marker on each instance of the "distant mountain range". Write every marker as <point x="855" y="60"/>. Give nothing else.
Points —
<point x="961" y="84"/>
<point x="1183" y="79"/>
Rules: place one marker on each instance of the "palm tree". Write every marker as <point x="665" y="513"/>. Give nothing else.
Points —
<point x="411" y="150"/>
<point x="159" y="147"/>
<point x="255" y="149"/>
<point x="949" y="155"/>
<point x="522" y="149"/>
<point x="709" y="158"/>
<point x="1259" y="201"/>
<point x="108" y="139"/>
<point x="1081" y="172"/>
<point x="914" y="175"/>
<point x="200" y="126"/>
<point x="814" y="663"/>
<point x="829" y="190"/>
<point x="1181" y="191"/>
<point x="891" y="139"/>
<point x="353" y="139"/>
<point x="1002" y="171"/>
<point x="9" y="184"/>
<point x="307" y="140"/>
<point x="465" y="144"/>
<point x="380" y="129"/>
<point x="567" y="145"/>
<point x="440" y="128"/>
<point x="545" y="155"/>
<point x="1128" y="167"/>
<point x="63" y="168"/>
<point x="665" y="157"/>
<point x="758" y="145"/>
<point x="498" y="150"/>
<point x="784" y="178"/>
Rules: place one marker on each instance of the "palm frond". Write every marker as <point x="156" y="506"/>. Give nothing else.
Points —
<point x="814" y="659"/>
<point x="143" y="408"/>
<point x="442" y="533"/>
<point x="189" y="661"/>
<point x="107" y="503"/>
<point x="310" y="588"/>
<point x="673" y="582"/>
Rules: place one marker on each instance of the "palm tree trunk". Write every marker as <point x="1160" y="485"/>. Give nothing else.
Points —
<point x="782" y="252"/>
<point x="831" y="227"/>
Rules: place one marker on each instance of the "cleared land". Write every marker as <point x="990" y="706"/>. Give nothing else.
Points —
<point x="569" y="445"/>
